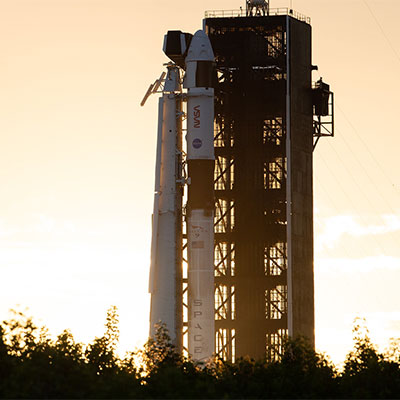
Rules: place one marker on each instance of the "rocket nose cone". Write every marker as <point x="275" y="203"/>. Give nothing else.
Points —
<point x="200" y="48"/>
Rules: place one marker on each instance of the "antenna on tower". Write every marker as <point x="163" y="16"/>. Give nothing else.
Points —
<point x="257" y="8"/>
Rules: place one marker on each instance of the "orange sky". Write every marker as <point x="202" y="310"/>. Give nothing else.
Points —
<point x="77" y="161"/>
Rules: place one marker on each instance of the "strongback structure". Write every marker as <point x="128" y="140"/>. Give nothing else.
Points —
<point x="263" y="181"/>
<point x="268" y="118"/>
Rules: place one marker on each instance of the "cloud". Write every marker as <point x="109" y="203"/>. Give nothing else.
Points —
<point x="5" y="230"/>
<point x="45" y="224"/>
<point x="333" y="229"/>
<point x="394" y="325"/>
<point x="358" y="265"/>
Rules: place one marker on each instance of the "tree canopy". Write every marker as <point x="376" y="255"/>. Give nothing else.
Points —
<point x="32" y="365"/>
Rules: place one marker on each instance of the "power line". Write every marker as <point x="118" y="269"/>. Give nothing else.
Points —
<point x="362" y="280"/>
<point x="395" y="240"/>
<point x="332" y="201"/>
<point x="392" y="185"/>
<point x="350" y="199"/>
<point x="382" y="31"/>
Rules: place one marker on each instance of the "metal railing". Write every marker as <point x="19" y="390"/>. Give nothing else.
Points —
<point x="242" y="13"/>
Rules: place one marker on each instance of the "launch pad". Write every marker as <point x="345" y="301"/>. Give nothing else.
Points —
<point x="268" y="118"/>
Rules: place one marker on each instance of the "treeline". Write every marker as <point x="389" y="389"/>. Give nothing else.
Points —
<point x="32" y="365"/>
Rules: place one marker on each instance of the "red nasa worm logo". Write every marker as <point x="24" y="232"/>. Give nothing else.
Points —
<point x="196" y="115"/>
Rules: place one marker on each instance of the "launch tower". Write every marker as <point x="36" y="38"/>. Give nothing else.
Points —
<point x="268" y="118"/>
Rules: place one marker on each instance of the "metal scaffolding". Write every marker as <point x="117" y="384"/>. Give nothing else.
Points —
<point x="257" y="103"/>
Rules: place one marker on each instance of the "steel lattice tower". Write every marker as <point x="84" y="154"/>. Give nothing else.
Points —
<point x="264" y="129"/>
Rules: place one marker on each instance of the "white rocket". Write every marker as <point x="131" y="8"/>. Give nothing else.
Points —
<point x="166" y="258"/>
<point x="166" y="263"/>
<point x="200" y="205"/>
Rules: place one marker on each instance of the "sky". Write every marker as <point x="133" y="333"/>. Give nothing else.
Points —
<point x="77" y="157"/>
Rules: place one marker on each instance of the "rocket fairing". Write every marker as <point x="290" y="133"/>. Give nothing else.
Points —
<point x="200" y="206"/>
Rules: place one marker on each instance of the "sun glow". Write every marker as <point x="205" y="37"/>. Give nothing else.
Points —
<point x="77" y="163"/>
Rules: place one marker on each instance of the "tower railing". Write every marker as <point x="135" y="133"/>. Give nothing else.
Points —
<point x="242" y="13"/>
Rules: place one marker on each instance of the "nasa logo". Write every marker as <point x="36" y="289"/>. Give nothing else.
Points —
<point x="196" y="116"/>
<point x="197" y="143"/>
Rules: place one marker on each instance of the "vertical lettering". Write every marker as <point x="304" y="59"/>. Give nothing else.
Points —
<point x="196" y="115"/>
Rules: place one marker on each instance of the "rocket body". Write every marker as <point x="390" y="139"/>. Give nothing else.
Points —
<point x="166" y="259"/>
<point x="166" y="263"/>
<point x="200" y="205"/>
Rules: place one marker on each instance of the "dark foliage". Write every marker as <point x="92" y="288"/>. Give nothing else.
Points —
<point x="368" y="374"/>
<point x="34" y="366"/>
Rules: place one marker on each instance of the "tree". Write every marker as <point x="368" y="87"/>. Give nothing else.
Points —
<point x="304" y="372"/>
<point x="101" y="354"/>
<point x="170" y="375"/>
<point x="35" y="366"/>
<point x="111" y="377"/>
<point x="367" y="374"/>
